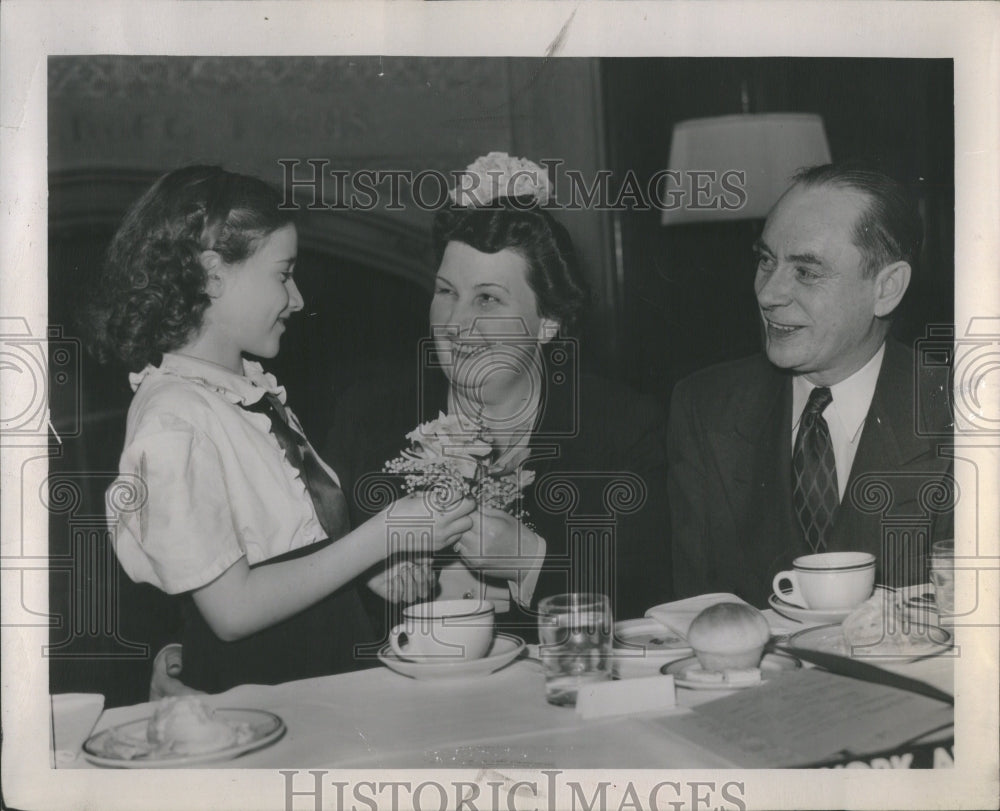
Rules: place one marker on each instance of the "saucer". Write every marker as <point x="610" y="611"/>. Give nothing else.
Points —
<point x="504" y="650"/>
<point x="812" y="616"/>
<point x="771" y="665"/>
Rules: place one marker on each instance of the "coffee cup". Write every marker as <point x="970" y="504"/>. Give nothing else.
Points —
<point x="444" y="630"/>
<point x="827" y="581"/>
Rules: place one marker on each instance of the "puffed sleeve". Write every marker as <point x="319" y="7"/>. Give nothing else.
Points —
<point x="177" y="532"/>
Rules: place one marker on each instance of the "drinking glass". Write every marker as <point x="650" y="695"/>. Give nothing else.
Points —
<point x="943" y="579"/>
<point x="575" y="638"/>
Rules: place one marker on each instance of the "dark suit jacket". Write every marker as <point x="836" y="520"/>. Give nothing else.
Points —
<point x="599" y="496"/>
<point x="729" y="446"/>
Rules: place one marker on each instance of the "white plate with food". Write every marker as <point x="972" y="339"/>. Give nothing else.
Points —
<point x="504" y="650"/>
<point x="813" y="616"/>
<point x="690" y="674"/>
<point x="895" y="644"/>
<point x="202" y="735"/>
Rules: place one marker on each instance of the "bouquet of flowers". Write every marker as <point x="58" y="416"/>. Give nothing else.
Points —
<point x="454" y="461"/>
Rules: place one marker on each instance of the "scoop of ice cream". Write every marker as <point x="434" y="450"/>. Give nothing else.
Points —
<point x="729" y="636"/>
<point x="186" y="725"/>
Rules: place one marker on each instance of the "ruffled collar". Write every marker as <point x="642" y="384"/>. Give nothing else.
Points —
<point x="245" y="389"/>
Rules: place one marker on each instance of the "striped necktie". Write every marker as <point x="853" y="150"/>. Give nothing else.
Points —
<point x="327" y="497"/>
<point x="815" y="494"/>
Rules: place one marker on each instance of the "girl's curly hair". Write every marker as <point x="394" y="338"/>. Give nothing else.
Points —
<point x="553" y="275"/>
<point x="150" y="296"/>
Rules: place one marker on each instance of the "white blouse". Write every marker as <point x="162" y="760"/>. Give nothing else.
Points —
<point x="210" y="482"/>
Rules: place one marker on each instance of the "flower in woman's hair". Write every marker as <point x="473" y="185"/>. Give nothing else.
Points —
<point x="498" y="175"/>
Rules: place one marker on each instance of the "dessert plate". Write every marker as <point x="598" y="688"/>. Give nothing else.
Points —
<point x="928" y="640"/>
<point x="125" y="746"/>
<point x="505" y="649"/>
<point x="771" y="665"/>
<point x="811" y="616"/>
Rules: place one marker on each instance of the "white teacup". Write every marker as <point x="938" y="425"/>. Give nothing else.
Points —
<point x="828" y="580"/>
<point x="443" y="630"/>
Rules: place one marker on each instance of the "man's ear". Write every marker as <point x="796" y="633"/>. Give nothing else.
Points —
<point x="890" y="285"/>
<point x="212" y="263"/>
<point x="548" y="330"/>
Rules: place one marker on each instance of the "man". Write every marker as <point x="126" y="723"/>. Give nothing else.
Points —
<point x="827" y="443"/>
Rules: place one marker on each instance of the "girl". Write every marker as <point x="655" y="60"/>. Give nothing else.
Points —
<point x="230" y="506"/>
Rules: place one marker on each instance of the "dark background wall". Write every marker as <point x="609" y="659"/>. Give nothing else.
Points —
<point x="688" y="289"/>
<point x="668" y="300"/>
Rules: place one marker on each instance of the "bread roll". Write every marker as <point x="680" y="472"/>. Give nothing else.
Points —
<point x="729" y="636"/>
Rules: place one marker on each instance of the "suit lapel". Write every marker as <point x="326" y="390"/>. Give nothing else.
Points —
<point x="754" y="458"/>
<point x="774" y="527"/>
<point x="889" y="443"/>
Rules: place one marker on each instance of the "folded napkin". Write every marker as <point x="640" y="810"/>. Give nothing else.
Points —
<point x="678" y="615"/>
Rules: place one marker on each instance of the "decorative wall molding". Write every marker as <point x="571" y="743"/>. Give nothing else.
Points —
<point x="96" y="200"/>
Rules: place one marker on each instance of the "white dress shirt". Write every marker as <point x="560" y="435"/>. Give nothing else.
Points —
<point x="845" y="416"/>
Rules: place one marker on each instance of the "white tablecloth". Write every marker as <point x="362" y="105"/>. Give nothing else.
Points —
<point x="377" y="718"/>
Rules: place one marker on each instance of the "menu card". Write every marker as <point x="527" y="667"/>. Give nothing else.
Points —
<point x="808" y="716"/>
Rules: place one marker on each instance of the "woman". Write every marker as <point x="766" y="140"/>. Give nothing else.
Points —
<point x="507" y="294"/>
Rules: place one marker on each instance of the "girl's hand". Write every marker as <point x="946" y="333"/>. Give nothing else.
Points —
<point x="405" y="581"/>
<point x="166" y="676"/>
<point x="417" y="525"/>
<point x="498" y="544"/>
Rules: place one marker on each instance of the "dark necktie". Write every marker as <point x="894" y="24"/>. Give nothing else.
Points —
<point x="814" y="472"/>
<point x="327" y="497"/>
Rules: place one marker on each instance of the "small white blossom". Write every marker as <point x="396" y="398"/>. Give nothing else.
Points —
<point x="497" y="175"/>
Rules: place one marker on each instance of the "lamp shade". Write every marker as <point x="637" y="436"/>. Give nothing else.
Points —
<point x="735" y="167"/>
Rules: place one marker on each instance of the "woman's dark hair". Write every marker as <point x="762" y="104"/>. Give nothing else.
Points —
<point x="151" y="294"/>
<point x="553" y="273"/>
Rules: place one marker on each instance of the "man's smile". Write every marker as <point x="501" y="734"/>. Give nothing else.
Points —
<point x="779" y="330"/>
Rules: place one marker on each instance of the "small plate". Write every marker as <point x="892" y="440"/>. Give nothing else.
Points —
<point x="830" y="639"/>
<point x="771" y="665"/>
<point x="811" y="616"/>
<point x="643" y="646"/>
<point x="505" y="649"/>
<point x="648" y="635"/>
<point x="130" y="738"/>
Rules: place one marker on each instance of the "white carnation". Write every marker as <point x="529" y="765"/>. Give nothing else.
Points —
<point x="497" y="175"/>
